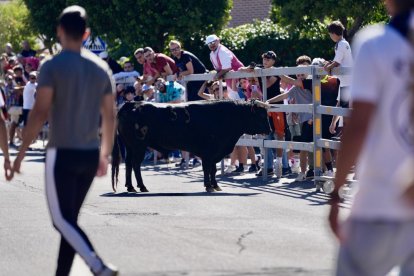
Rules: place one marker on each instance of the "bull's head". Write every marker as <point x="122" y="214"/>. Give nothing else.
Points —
<point x="258" y="122"/>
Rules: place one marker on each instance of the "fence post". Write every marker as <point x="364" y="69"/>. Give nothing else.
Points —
<point x="265" y="150"/>
<point x="221" y="97"/>
<point x="317" y="123"/>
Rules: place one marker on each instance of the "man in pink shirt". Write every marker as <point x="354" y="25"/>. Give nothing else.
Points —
<point x="222" y="58"/>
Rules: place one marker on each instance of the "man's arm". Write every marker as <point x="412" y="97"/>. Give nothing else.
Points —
<point x="278" y="98"/>
<point x="189" y="71"/>
<point x="5" y="149"/>
<point x="291" y="81"/>
<point x="167" y="69"/>
<point x="352" y="140"/>
<point x="37" y="117"/>
<point x="108" y="132"/>
<point x="221" y="73"/>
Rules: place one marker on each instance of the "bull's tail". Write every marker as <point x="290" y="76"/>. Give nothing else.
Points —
<point x="116" y="160"/>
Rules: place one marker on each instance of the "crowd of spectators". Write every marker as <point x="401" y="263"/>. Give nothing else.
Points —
<point x="18" y="82"/>
<point x="19" y="89"/>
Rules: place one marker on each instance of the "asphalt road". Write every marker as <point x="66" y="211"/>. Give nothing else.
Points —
<point x="250" y="228"/>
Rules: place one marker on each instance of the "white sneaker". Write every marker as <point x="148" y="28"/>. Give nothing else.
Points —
<point x="278" y="168"/>
<point x="329" y="174"/>
<point x="230" y="169"/>
<point x="108" y="270"/>
<point x="301" y="177"/>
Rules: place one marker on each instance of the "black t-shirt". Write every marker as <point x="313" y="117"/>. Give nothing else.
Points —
<point x="273" y="90"/>
<point x="187" y="57"/>
<point x="307" y="84"/>
<point x="28" y="53"/>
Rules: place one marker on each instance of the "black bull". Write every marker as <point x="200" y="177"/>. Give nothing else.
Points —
<point x="209" y="129"/>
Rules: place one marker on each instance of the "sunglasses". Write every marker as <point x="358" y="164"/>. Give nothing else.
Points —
<point x="32" y="78"/>
<point x="211" y="43"/>
<point x="176" y="49"/>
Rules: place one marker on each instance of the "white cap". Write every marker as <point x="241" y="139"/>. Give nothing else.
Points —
<point x="211" y="38"/>
<point x="147" y="87"/>
<point x="8" y="44"/>
<point x="103" y="54"/>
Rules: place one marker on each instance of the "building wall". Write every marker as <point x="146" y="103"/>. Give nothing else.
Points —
<point x="246" y="11"/>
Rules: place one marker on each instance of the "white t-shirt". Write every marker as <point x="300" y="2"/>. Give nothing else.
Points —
<point x="380" y="77"/>
<point x="225" y="56"/>
<point x="1" y="101"/>
<point x="29" y="95"/>
<point x="343" y="56"/>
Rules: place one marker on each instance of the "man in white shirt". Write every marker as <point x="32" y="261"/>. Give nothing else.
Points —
<point x="3" y="142"/>
<point x="379" y="137"/>
<point x="29" y="95"/>
<point x="223" y="61"/>
<point x="343" y="58"/>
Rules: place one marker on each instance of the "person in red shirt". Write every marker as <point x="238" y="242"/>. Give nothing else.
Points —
<point x="162" y="64"/>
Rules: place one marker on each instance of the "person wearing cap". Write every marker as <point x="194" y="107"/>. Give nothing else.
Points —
<point x="115" y="67"/>
<point x="9" y="50"/>
<point x="73" y="80"/>
<point x="222" y="58"/>
<point x="149" y="93"/>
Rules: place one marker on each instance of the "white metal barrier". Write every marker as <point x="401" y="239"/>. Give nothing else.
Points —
<point x="315" y="108"/>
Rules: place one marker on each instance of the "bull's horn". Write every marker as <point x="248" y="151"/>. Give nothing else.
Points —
<point x="262" y="104"/>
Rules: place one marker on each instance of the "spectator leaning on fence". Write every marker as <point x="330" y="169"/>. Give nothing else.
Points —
<point x="187" y="64"/>
<point x="302" y="94"/>
<point x="14" y="102"/>
<point x="343" y="58"/>
<point x="148" y="72"/>
<point x="161" y="64"/>
<point x="379" y="137"/>
<point x="223" y="61"/>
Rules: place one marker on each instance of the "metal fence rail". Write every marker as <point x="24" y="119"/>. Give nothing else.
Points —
<point x="315" y="108"/>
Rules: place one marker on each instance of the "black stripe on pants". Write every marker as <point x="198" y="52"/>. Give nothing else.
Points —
<point x="69" y="175"/>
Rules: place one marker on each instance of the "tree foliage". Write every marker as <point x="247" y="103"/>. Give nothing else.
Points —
<point x="15" y="25"/>
<point x="313" y="15"/>
<point x="43" y="16"/>
<point x="137" y="22"/>
<point x="249" y="41"/>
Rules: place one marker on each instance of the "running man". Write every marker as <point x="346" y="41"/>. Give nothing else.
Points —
<point x="378" y="234"/>
<point x="74" y="88"/>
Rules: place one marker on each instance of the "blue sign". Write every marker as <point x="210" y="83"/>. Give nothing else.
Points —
<point x="96" y="46"/>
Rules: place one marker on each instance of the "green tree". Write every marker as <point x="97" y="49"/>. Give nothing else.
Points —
<point x="312" y="15"/>
<point x="137" y="22"/>
<point x="15" y="25"/>
<point x="43" y="16"/>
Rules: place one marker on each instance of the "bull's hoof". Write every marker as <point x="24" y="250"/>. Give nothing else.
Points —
<point x="131" y="190"/>
<point x="144" y="190"/>
<point x="209" y="189"/>
<point x="217" y="188"/>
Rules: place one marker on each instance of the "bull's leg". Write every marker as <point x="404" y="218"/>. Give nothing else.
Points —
<point x="207" y="180"/>
<point x="213" y="172"/>
<point x="128" y="172"/>
<point x="136" y="165"/>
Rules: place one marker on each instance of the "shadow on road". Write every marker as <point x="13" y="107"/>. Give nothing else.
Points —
<point x="215" y="194"/>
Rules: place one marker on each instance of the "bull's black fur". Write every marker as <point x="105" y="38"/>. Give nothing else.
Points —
<point x="209" y="129"/>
